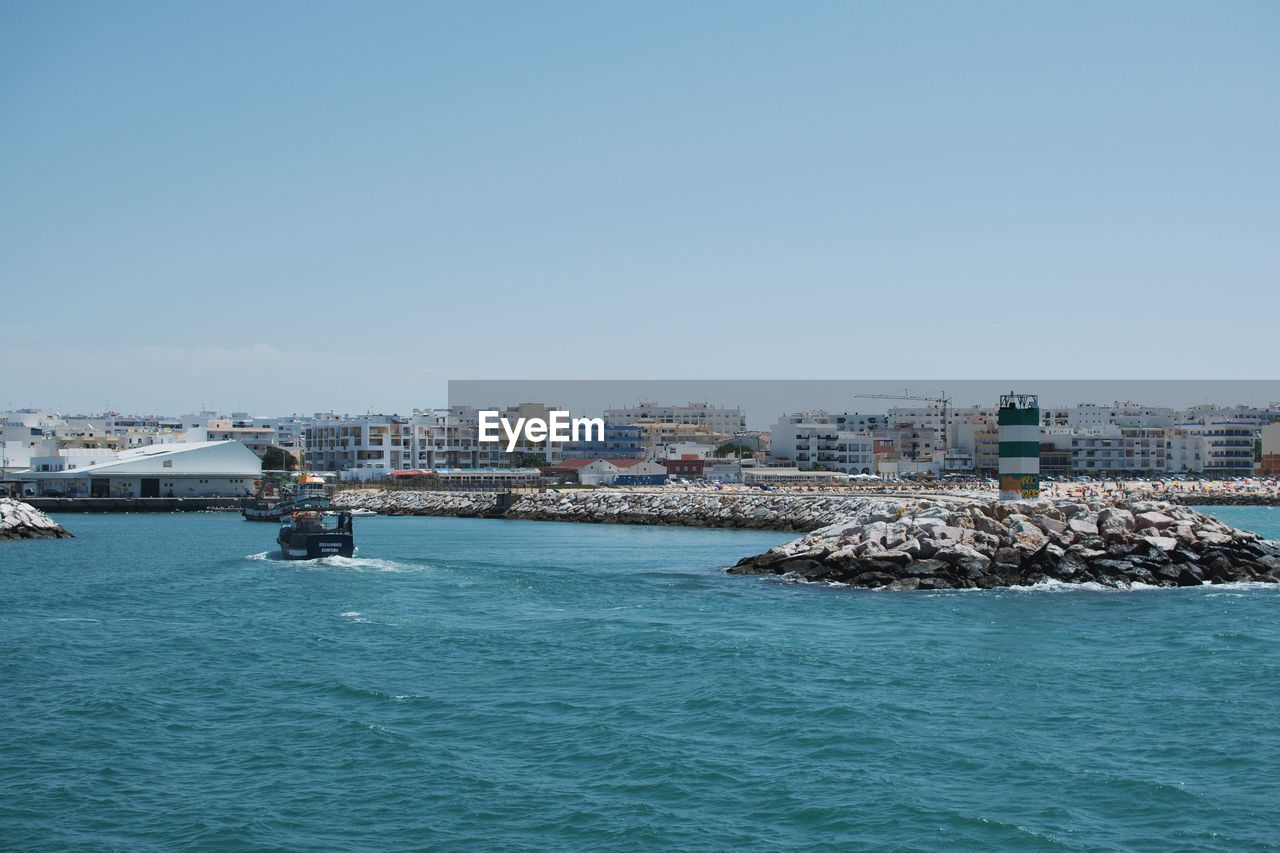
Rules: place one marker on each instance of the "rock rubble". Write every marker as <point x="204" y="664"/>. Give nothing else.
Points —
<point x="759" y="510"/>
<point x="23" y="521"/>
<point x="907" y="541"/>
<point x="413" y="502"/>
<point x="923" y="543"/>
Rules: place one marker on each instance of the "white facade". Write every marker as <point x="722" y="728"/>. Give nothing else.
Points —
<point x="194" y="469"/>
<point x="376" y="442"/>
<point x="833" y="441"/>
<point x="727" y="470"/>
<point x="709" y="418"/>
<point x="1097" y="416"/>
<point x="1228" y="446"/>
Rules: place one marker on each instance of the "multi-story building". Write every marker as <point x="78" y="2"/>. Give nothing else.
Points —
<point x="620" y="441"/>
<point x="450" y="438"/>
<point x="1269" y="447"/>
<point x="259" y="439"/>
<point x="370" y="446"/>
<point x="704" y="416"/>
<point x="804" y="437"/>
<point x="662" y="424"/>
<point x="1096" y="416"/>
<point x="1229" y="446"/>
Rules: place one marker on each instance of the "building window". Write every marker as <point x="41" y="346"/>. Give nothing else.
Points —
<point x="168" y="463"/>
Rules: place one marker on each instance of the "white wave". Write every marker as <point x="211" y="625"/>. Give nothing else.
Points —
<point x="367" y="563"/>
<point x="261" y="555"/>
<point x="1052" y="585"/>
<point x="1236" y="587"/>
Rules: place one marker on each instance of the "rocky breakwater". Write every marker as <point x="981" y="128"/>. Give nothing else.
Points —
<point x="608" y="506"/>
<point x="23" y="521"/>
<point x="907" y="544"/>
<point x="687" y="509"/>
<point x="416" y="502"/>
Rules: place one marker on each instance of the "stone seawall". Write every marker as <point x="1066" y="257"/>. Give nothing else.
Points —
<point x="746" y="510"/>
<point x="412" y="502"/>
<point x="23" y="521"/>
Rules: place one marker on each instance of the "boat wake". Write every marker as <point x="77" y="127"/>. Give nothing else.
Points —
<point x="363" y="563"/>
<point x="348" y="563"/>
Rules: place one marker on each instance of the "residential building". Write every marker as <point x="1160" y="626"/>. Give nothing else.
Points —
<point x="259" y="439"/>
<point x="376" y="442"/>
<point x="1270" y="450"/>
<point x="620" y="441"/>
<point x="831" y="441"/>
<point x="1229" y="447"/>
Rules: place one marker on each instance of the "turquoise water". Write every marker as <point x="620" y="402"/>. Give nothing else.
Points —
<point x="471" y="684"/>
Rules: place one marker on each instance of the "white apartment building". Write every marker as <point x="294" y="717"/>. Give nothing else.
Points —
<point x="793" y="434"/>
<point x="1228" y="447"/>
<point x="259" y="439"/>
<point x="1095" y="416"/>
<point x="701" y="417"/>
<point x="826" y="441"/>
<point x="379" y="443"/>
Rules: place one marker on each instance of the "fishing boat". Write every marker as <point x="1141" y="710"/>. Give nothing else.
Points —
<point x="311" y="533"/>
<point x="272" y="502"/>
<point x="308" y="493"/>
<point x="269" y="502"/>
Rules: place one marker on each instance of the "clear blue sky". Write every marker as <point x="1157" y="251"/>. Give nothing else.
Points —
<point x="192" y="195"/>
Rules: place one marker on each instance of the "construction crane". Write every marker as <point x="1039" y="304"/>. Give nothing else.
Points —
<point x="942" y="400"/>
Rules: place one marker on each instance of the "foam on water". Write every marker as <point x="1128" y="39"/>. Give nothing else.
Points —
<point x="361" y="563"/>
<point x="348" y="563"/>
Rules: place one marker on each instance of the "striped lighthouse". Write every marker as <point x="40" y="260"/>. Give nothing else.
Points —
<point x="1019" y="420"/>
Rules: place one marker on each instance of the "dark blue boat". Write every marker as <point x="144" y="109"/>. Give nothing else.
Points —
<point x="312" y="533"/>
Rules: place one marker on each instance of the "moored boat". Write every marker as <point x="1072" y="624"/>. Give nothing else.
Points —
<point x="272" y="502"/>
<point x="269" y="502"/>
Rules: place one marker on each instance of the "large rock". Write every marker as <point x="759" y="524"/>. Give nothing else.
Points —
<point x="1115" y="522"/>
<point x="19" y="520"/>
<point x="1158" y="520"/>
<point x="1114" y="544"/>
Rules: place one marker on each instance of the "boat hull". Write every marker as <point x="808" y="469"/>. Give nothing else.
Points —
<point x="316" y="546"/>
<point x="256" y="513"/>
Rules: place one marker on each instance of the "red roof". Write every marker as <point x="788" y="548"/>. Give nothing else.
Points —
<point x="572" y="464"/>
<point x="626" y="463"/>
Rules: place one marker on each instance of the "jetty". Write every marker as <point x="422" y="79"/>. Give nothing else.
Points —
<point x="909" y="540"/>
<point x="954" y="543"/>
<point x="20" y="520"/>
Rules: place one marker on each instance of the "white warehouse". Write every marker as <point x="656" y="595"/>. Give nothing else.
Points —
<point x="184" y="470"/>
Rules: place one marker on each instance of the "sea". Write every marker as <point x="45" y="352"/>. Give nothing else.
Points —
<point x="466" y="684"/>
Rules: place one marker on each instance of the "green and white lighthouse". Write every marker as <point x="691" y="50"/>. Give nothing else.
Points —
<point x="1019" y="421"/>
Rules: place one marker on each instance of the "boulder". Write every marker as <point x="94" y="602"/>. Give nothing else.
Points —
<point x="1115" y="523"/>
<point x="1145" y="520"/>
<point x="1082" y="526"/>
